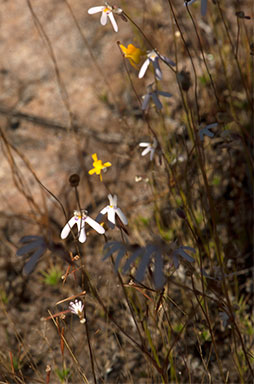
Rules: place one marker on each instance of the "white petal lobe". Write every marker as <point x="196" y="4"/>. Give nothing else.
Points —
<point x="143" y="69"/>
<point x="146" y="151"/>
<point x="82" y="235"/>
<point x="111" y="215"/>
<point x="104" y="18"/>
<point x="121" y="216"/>
<point x="66" y="229"/>
<point x="113" y="22"/>
<point x="93" y="10"/>
<point x="114" y="201"/>
<point x="104" y="210"/>
<point x="98" y="228"/>
<point x="110" y="197"/>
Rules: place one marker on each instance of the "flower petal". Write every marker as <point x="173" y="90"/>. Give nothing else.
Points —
<point x="66" y="229"/>
<point x="93" y="10"/>
<point x="98" y="228"/>
<point x="111" y="215"/>
<point x="124" y="49"/>
<point x="151" y="154"/>
<point x="110" y="197"/>
<point x="107" y="164"/>
<point x="143" y="68"/>
<point x="114" y="201"/>
<point x="121" y="216"/>
<point x="143" y="144"/>
<point x="146" y="151"/>
<point x="82" y="233"/>
<point x="104" y="18"/>
<point x="104" y="210"/>
<point x="113" y="22"/>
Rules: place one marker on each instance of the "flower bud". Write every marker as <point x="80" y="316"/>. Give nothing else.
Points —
<point x="74" y="180"/>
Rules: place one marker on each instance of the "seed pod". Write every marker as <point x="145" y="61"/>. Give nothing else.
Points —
<point x="74" y="180"/>
<point x="180" y="212"/>
<point x="184" y="80"/>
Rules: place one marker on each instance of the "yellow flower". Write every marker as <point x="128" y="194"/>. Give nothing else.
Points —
<point x="132" y="53"/>
<point x="98" y="166"/>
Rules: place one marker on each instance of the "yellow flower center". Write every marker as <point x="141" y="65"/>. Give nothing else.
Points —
<point x="152" y="55"/>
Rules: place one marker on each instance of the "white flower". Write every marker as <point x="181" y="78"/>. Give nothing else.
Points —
<point x="78" y="309"/>
<point x="80" y="218"/>
<point x="205" y="131"/>
<point x="112" y="210"/>
<point x="106" y="11"/>
<point x="149" y="148"/>
<point x="153" y="57"/>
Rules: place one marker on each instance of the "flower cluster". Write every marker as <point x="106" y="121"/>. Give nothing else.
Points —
<point x="78" y="309"/>
<point x="115" y="217"/>
<point x="133" y="54"/>
<point x="80" y="218"/>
